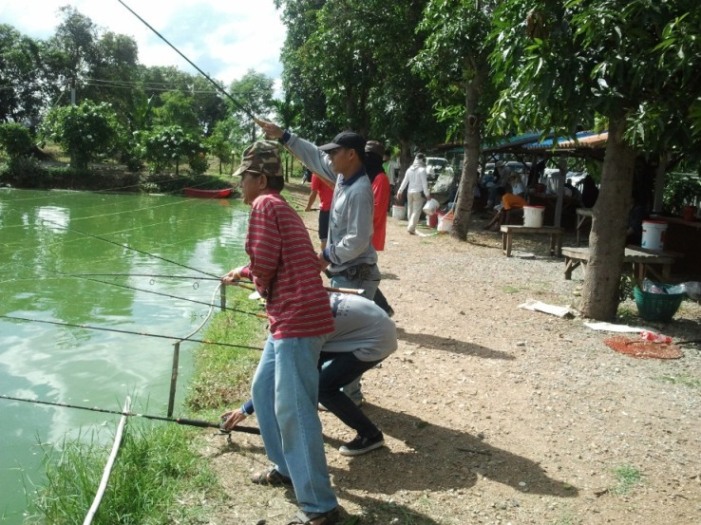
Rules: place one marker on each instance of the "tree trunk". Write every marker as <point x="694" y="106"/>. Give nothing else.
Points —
<point x="609" y="224"/>
<point x="470" y="166"/>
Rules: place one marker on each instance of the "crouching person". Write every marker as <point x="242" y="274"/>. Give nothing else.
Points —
<point x="363" y="337"/>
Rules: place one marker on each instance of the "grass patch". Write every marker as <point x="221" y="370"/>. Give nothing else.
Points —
<point x="222" y="375"/>
<point x="158" y="469"/>
<point x="627" y="477"/>
<point x="510" y="289"/>
<point x="686" y="380"/>
<point x="627" y="315"/>
<point x="155" y="464"/>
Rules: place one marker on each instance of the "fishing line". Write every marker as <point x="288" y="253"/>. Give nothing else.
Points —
<point x="130" y="332"/>
<point x="179" y="420"/>
<point x="127" y="247"/>
<point x="256" y="314"/>
<point x="217" y="86"/>
<point x="158" y="276"/>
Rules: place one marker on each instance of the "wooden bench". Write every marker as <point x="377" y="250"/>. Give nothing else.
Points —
<point x="640" y="258"/>
<point x="555" y="233"/>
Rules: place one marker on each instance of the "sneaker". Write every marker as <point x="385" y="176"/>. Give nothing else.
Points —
<point x="362" y="445"/>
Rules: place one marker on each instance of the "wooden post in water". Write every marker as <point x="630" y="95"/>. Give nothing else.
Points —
<point x="173" y="378"/>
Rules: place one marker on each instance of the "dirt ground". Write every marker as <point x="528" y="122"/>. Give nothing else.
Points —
<point x="494" y="414"/>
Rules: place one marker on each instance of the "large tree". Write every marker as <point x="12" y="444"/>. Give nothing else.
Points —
<point x="20" y="81"/>
<point x="455" y="63"/>
<point x="254" y="91"/>
<point x="561" y="63"/>
<point x="347" y="66"/>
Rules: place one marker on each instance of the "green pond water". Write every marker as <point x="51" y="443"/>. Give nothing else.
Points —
<point x="47" y="235"/>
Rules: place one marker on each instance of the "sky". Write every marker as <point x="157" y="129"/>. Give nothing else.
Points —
<point x="224" y="38"/>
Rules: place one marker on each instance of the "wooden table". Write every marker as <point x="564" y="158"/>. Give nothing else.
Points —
<point x="583" y="214"/>
<point x="640" y="258"/>
<point x="555" y="233"/>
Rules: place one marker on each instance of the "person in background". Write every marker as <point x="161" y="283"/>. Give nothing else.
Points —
<point x="511" y="207"/>
<point x="381" y="197"/>
<point x="391" y="168"/>
<point x="284" y="269"/>
<point x="589" y="192"/>
<point x="364" y="336"/>
<point x="325" y="193"/>
<point x="573" y="192"/>
<point x="416" y="180"/>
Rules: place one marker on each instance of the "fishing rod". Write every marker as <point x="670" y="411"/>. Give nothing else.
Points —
<point x="179" y="420"/>
<point x="127" y="247"/>
<point x="120" y="331"/>
<point x="205" y="75"/>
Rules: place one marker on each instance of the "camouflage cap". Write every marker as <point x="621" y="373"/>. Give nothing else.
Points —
<point x="261" y="157"/>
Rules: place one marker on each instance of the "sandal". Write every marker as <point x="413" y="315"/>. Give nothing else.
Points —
<point x="271" y="477"/>
<point x="316" y="518"/>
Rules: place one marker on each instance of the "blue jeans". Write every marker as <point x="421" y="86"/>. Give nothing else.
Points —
<point x="337" y="370"/>
<point x="285" y="393"/>
<point x="370" y="286"/>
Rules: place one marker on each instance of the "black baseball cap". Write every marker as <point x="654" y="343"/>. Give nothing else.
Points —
<point x="346" y="139"/>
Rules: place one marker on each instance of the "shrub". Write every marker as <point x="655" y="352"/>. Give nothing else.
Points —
<point x="16" y="140"/>
<point x="83" y="131"/>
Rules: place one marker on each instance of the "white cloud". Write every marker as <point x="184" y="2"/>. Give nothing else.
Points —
<point x="225" y="38"/>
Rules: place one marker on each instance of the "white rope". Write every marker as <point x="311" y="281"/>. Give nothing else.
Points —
<point x="110" y="462"/>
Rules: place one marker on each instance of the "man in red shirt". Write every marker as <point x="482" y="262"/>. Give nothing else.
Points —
<point x="284" y="268"/>
<point x="325" y="192"/>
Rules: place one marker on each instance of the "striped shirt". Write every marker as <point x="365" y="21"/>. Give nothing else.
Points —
<point x="285" y="270"/>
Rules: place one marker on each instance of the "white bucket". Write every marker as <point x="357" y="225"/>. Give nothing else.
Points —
<point x="653" y="235"/>
<point x="399" y="212"/>
<point x="533" y="216"/>
<point x="445" y="223"/>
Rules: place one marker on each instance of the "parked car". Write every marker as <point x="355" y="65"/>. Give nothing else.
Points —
<point x="442" y="181"/>
<point x="436" y="166"/>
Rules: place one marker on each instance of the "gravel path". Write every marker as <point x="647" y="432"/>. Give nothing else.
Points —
<point x="495" y="414"/>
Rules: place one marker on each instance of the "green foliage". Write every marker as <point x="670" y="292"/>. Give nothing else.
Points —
<point x="83" y="131"/>
<point x="681" y="189"/>
<point x="26" y="172"/>
<point x="223" y="374"/>
<point x="155" y="464"/>
<point x="166" y="146"/>
<point x="20" y="80"/>
<point x="177" y="109"/>
<point x="227" y="138"/>
<point x="255" y="92"/>
<point x="627" y="477"/>
<point x="16" y="140"/>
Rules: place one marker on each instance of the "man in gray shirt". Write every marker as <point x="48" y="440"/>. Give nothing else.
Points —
<point x="349" y="257"/>
<point x="364" y="336"/>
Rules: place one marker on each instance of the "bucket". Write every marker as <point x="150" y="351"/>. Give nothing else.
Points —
<point x="533" y="216"/>
<point x="399" y="212"/>
<point x="445" y="222"/>
<point x="653" y="235"/>
<point x="432" y="220"/>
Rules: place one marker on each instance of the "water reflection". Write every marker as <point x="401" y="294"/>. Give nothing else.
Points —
<point x="45" y="237"/>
